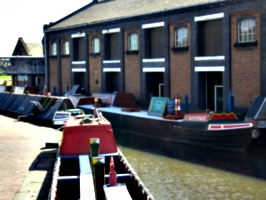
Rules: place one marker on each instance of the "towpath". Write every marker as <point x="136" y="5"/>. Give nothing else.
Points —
<point x="26" y="162"/>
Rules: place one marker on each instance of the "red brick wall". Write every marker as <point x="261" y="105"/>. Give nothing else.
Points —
<point x="53" y="74"/>
<point x="132" y="68"/>
<point x="245" y="64"/>
<point x="65" y="70"/>
<point x="95" y="72"/>
<point x="65" y="65"/>
<point x="180" y="68"/>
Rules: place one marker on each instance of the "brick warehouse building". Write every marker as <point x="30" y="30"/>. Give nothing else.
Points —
<point x="204" y="49"/>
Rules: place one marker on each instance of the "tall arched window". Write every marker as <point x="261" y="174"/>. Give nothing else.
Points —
<point x="181" y="37"/>
<point x="66" y="48"/>
<point x="246" y="30"/>
<point x="133" y="42"/>
<point x="53" y="49"/>
<point x="95" y="45"/>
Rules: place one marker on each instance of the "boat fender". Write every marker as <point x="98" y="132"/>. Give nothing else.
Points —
<point x="255" y="133"/>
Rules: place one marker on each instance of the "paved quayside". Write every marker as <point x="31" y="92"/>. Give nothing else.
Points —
<point x="26" y="161"/>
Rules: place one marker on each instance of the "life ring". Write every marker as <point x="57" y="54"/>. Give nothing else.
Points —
<point x="255" y="133"/>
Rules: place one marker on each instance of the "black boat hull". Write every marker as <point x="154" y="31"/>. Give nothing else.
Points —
<point x="178" y="131"/>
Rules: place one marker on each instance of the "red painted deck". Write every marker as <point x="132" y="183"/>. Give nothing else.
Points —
<point x="77" y="135"/>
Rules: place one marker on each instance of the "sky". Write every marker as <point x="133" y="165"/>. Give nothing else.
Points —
<point x="25" y="18"/>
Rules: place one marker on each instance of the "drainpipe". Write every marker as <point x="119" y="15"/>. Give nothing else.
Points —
<point x="46" y="55"/>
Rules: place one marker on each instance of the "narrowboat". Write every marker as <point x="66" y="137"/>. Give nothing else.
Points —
<point x="224" y="130"/>
<point x="89" y="164"/>
<point x="40" y="109"/>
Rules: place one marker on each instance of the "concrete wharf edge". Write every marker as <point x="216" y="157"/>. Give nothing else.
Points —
<point x="26" y="159"/>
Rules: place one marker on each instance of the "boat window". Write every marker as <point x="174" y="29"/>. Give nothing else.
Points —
<point x="62" y="116"/>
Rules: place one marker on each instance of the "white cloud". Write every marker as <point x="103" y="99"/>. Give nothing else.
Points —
<point x="26" y="19"/>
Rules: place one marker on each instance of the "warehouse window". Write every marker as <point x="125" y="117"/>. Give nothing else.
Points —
<point x="66" y="48"/>
<point x="53" y="49"/>
<point x="246" y="30"/>
<point x="181" y="37"/>
<point x="132" y="42"/>
<point x="95" y="45"/>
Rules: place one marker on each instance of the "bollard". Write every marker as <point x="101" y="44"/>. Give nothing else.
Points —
<point x="99" y="175"/>
<point x="186" y="104"/>
<point x="95" y="107"/>
<point x="45" y="93"/>
<point x="54" y="91"/>
<point x="231" y="103"/>
<point x="94" y="147"/>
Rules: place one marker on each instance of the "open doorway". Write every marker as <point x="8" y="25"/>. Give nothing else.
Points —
<point x="211" y="91"/>
<point x="154" y="84"/>
<point x="218" y="98"/>
<point x="79" y="78"/>
<point x="112" y="82"/>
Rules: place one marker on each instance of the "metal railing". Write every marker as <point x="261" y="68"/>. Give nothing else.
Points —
<point x="22" y="65"/>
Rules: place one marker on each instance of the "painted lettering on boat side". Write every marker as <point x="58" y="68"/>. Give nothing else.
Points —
<point x="196" y="118"/>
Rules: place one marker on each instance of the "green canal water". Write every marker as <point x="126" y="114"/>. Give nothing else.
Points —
<point x="172" y="171"/>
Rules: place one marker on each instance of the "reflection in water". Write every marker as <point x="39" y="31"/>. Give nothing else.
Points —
<point x="174" y="171"/>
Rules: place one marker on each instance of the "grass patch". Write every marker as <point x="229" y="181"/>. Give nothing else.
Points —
<point x="4" y="77"/>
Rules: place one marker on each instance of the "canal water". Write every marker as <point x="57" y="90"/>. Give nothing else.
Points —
<point x="173" y="171"/>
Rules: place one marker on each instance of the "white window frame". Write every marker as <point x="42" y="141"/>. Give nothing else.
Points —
<point x="246" y="30"/>
<point x="133" y="42"/>
<point x="181" y="37"/>
<point x="95" y="48"/>
<point x="66" y="47"/>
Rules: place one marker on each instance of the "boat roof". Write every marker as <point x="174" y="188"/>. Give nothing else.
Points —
<point x="80" y="131"/>
<point x="24" y="104"/>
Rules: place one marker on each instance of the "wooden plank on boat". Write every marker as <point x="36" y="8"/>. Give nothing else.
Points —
<point x="116" y="192"/>
<point x="87" y="187"/>
<point x="87" y="190"/>
<point x="84" y="164"/>
<point x="67" y="178"/>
